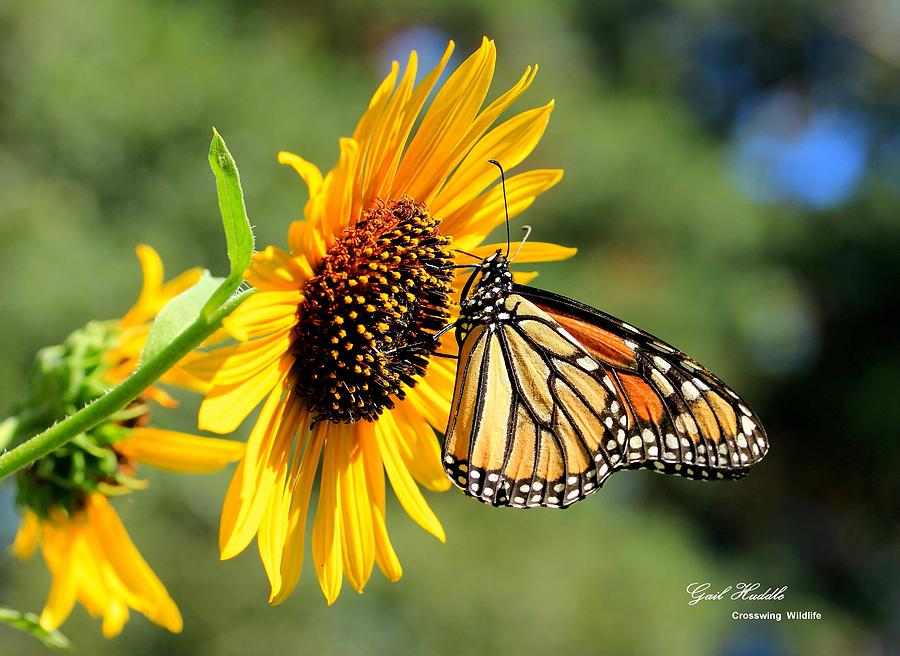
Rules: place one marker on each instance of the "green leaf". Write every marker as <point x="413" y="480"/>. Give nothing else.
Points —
<point x="179" y="313"/>
<point x="28" y="622"/>
<point x="238" y="233"/>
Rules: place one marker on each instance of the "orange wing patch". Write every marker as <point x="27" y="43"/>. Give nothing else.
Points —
<point x="642" y="398"/>
<point x="602" y="344"/>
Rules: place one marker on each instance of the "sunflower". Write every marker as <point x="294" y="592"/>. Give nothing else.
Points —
<point x="338" y="341"/>
<point x="64" y="496"/>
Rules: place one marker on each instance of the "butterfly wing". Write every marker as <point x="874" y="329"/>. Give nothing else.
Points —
<point x="555" y="397"/>
<point x="700" y="427"/>
<point x="531" y="417"/>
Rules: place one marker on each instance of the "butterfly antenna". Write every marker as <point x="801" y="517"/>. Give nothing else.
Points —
<point x="459" y="250"/>
<point x="527" y="230"/>
<point x="505" y="205"/>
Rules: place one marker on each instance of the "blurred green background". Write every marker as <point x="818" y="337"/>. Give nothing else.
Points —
<point x="733" y="183"/>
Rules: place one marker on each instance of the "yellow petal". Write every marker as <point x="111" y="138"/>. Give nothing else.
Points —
<point x="178" y="377"/>
<point x="27" y="536"/>
<point x="180" y="452"/>
<point x="114" y="618"/>
<point x="226" y="406"/>
<point x="358" y="543"/>
<point x="509" y="143"/>
<point x="266" y="456"/>
<point x="485" y="119"/>
<point x="232" y="506"/>
<point x="424" y="165"/>
<point x="369" y="120"/>
<point x="384" y="187"/>
<point x="91" y="584"/>
<point x="129" y="566"/>
<point x="152" y="269"/>
<point x="101" y="590"/>
<point x="524" y="277"/>
<point x="160" y="396"/>
<point x="385" y="555"/>
<point x="381" y="149"/>
<point x="490" y="114"/>
<point x="303" y="474"/>
<point x="326" y="532"/>
<point x="153" y="293"/>
<point x="404" y="486"/>
<point x="275" y="270"/>
<point x="239" y="363"/>
<point x="373" y="131"/>
<point x="61" y="599"/>
<point x="270" y="538"/>
<point x="339" y="191"/>
<point x="306" y="170"/>
<point x="419" y="448"/>
<point x="486" y="212"/>
<point x="432" y="394"/>
<point x="264" y="313"/>
<point x="531" y="251"/>
<point x="273" y="536"/>
<point x="305" y="238"/>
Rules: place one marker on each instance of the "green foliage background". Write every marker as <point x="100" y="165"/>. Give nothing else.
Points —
<point x="105" y="111"/>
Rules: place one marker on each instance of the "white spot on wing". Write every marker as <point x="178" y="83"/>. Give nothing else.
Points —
<point x="587" y="363"/>
<point x="747" y="425"/>
<point x="690" y="391"/>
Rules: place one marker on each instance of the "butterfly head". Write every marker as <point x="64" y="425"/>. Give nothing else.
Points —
<point x="495" y="277"/>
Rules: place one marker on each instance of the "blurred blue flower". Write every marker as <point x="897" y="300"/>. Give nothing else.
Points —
<point x="429" y="43"/>
<point x="785" y="149"/>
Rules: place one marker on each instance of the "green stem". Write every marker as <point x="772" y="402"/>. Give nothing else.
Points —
<point x="120" y="395"/>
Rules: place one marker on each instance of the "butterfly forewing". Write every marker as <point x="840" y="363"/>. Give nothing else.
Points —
<point x="529" y="423"/>
<point x="552" y="396"/>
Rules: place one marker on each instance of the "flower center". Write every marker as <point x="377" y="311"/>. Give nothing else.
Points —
<point x="371" y="308"/>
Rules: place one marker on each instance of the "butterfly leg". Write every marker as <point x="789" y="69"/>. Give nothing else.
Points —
<point x="432" y="342"/>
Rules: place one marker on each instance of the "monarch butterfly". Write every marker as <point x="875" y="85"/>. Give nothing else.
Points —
<point x="552" y="396"/>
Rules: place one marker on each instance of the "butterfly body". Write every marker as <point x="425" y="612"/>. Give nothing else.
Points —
<point x="486" y="305"/>
<point x="552" y="396"/>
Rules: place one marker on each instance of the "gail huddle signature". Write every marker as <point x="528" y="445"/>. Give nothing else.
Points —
<point x="745" y="591"/>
